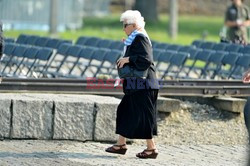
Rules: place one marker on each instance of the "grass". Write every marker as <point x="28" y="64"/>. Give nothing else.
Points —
<point x="190" y="28"/>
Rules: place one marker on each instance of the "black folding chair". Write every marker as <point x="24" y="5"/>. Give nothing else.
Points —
<point x="27" y="62"/>
<point x="21" y="39"/>
<point x="41" y="63"/>
<point x="164" y="61"/>
<point x="242" y="64"/>
<point x="175" y="67"/>
<point x="201" y="58"/>
<point x="69" y="61"/>
<point x="85" y="58"/>
<point x="227" y="65"/>
<point x="41" y="41"/>
<point x="16" y="56"/>
<point x="108" y="64"/>
<point x="213" y="64"/>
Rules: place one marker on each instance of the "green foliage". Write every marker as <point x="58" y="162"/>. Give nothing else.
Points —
<point x="190" y="28"/>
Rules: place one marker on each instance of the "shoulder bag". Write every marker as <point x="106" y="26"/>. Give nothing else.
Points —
<point x="128" y="71"/>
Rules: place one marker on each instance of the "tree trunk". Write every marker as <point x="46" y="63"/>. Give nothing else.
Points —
<point x="53" y="16"/>
<point x="173" y="19"/>
<point x="148" y="9"/>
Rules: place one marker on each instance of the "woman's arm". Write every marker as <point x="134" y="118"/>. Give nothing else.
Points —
<point x="140" y="53"/>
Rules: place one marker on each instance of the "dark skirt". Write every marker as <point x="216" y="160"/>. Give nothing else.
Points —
<point x="136" y="115"/>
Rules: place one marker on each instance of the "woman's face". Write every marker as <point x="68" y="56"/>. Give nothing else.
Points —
<point x="128" y="28"/>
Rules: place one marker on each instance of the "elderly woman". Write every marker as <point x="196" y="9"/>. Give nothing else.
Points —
<point x="136" y="114"/>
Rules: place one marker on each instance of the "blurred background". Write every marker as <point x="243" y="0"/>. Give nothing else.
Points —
<point x="170" y="21"/>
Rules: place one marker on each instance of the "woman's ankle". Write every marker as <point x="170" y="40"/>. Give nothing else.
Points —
<point x="121" y="143"/>
<point x="151" y="148"/>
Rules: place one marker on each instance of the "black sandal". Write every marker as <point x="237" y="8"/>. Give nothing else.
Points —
<point x="121" y="150"/>
<point x="145" y="155"/>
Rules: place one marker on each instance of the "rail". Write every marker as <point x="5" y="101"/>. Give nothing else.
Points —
<point x="181" y="87"/>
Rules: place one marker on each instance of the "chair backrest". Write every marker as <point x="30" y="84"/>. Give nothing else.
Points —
<point x="245" y="50"/>
<point x="163" y="46"/>
<point x="231" y="58"/>
<point x="19" y="50"/>
<point x="204" y="55"/>
<point x="165" y="56"/>
<point x="186" y="48"/>
<point x="44" y="54"/>
<point x="179" y="58"/>
<point x="42" y="41"/>
<point x="220" y="46"/>
<point x="53" y="43"/>
<point x="9" y="48"/>
<point x="117" y="45"/>
<point x="233" y="47"/>
<point x="92" y="41"/>
<point x="156" y="54"/>
<point x="31" y="39"/>
<point x="217" y="57"/>
<point x="197" y="43"/>
<point x="207" y="45"/>
<point x="174" y="47"/>
<point x="9" y="40"/>
<point x="22" y="39"/>
<point x="74" y="50"/>
<point x="61" y="41"/>
<point x="31" y="52"/>
<point x="105" y="43"/>
<point x="193" y="52"/>
<point x="100" y="54"/>
<point x="62" y="50"/>
<point x="112" y="56"/>
<point x="82" y="40"/>
<point x="87" y="52"/>
<point x="247" y="54"/>
<point x="243" y="61"/>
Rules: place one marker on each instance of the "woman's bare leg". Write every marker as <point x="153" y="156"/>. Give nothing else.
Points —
<point x="121" y="140"/>
<point x="150" y="144"/>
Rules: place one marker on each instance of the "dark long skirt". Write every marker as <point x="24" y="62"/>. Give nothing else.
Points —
<point x="136" y="115"/>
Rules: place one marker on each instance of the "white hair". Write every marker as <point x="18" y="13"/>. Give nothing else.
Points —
<point x="133" y="17"/>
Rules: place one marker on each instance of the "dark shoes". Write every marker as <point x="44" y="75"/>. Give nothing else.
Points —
<point x="121" y="149"/>
<point x="147" y="154"/>
<point x="118" y="150"/>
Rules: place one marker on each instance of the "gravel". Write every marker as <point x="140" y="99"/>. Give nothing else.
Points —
<point x="200" y="124"/>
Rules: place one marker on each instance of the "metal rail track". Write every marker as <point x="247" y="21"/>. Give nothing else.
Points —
<point x="181" y="87"/>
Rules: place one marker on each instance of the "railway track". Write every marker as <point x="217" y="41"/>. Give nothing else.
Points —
<point x="181" y="87"/>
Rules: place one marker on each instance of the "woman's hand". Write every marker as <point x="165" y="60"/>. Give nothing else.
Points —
<point x="246" y="77"/>
<point x="122" y="61"/>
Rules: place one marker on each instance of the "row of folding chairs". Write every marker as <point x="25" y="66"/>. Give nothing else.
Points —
<point x="199" y="63"/>
<point x="75" y="61"/>
<point x="69" y="60"/>
<point x="82" y="59"/>
<point x="98" y="42"/>
<point x="55" y="43"/>
<point x="229" y="47"/>
<point x="39" y="41"/>
<point x="24" y="60"/>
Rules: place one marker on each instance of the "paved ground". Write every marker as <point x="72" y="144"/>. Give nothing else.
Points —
<point x="65" y="153"/>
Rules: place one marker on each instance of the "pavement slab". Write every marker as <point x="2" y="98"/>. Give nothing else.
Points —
<point x="75" y="153"/>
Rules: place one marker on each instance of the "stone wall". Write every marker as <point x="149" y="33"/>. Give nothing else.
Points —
<point x="93" y="118"/>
